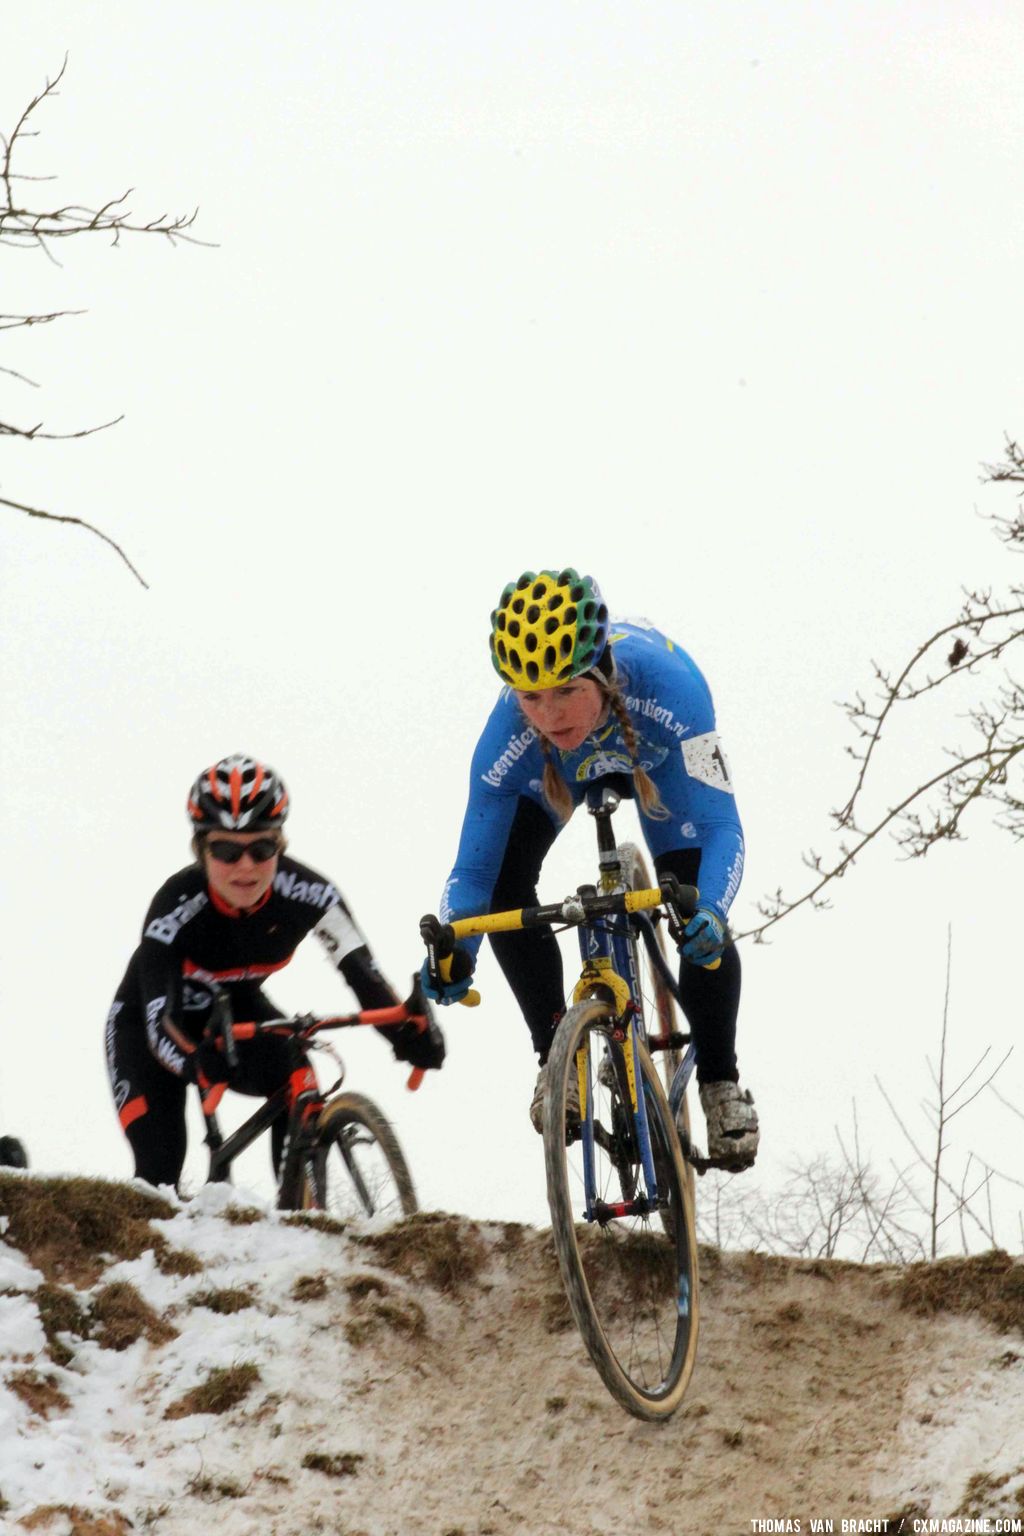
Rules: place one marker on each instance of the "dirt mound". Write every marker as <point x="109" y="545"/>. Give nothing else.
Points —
<point x="427" y="1381"/>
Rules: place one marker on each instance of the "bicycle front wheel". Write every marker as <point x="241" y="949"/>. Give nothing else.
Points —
<point x="630" y="1266"/>
<point x="358" y="1168"/>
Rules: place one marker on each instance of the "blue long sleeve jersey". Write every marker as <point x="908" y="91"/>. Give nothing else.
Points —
<point x="670" y="707"/>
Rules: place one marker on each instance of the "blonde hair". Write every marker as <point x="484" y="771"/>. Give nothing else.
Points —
<point x="556" y="790"/>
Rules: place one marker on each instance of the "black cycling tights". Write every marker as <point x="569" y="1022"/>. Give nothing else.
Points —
<point x="155" y="1122"/>
<point x="532" y="960"/>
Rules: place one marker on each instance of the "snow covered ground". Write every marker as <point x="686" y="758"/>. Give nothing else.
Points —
<point x="430" y="1384"/>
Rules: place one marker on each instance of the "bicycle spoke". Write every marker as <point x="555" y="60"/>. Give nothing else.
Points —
<point x="361" y="1172"/>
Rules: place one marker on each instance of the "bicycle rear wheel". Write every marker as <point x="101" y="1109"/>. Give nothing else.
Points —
<point x="660" y="1013"/>
<point x="358" y="1168"/>
<point x="630" y="1274"/>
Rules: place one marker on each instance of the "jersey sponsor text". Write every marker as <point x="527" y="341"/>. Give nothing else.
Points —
<point x="511" y="755"/>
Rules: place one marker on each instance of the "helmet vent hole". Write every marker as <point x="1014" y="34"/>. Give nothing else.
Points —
<point x="518" y="605"/>
<point x="589" y="609"/>
<point x="524" y="581"/>
<point x="513" y="628"/>
<point x="515" y="660"/>
<point x="577" y="593"/>
<point x="565" y="645"/>
<point x="532" y="614"/>
<point x="530" y="641"/>
<point x="539" y="590"/>
<point x="555" y="601"/>
<point x="550" y="625"/>
<point x="502" y="650"/>
<point x="549" y="658"/>
<point x="564" y="577"/>
<point x="532" y="671"/>
<point x="570" y="615"/>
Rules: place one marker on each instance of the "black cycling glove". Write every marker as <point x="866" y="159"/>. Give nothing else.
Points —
<point x="420" y="1048"/>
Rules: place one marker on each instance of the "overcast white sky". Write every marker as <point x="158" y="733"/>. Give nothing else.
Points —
<point x="719" y="302"/>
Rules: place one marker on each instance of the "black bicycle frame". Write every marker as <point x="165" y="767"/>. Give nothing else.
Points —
<point x="297" y="1144"/>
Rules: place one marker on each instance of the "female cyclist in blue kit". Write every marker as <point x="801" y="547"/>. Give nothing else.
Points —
<point x="587" y="698"/>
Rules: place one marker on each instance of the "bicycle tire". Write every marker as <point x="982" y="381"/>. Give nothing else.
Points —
<point x="360" y="1171"/>
<point x="632" y="1282"/>
<point x="659" y="1004"/>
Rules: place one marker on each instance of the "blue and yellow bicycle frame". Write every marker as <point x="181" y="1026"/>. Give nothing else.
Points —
<point x="611" y="920"/>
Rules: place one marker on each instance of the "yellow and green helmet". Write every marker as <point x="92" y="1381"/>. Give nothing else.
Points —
<point x="548" y="627"/>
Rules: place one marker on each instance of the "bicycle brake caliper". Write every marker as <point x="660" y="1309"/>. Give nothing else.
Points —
<point x="597" y="973"/>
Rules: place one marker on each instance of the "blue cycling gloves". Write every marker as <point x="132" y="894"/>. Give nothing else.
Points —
<point x="445" y="992"/>
<point x="704" y="937"/>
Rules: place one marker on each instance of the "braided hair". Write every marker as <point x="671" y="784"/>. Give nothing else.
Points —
<point x="556" y="790"/>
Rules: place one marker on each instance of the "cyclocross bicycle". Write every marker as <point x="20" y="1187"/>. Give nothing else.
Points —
<point x="340" y="1153"/>
<point x="620" y="1168"/>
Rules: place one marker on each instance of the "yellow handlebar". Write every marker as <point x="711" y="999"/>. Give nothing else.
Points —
<point x="487" y="922"/>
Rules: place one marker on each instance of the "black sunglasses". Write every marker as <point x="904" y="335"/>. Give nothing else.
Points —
<point x="261" y="851"/>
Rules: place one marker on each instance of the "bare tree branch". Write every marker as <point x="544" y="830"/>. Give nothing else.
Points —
<point x="37" y="228"/>
<point x="32" y="433"/>
<point x="983" y="634"/>
<point x="58" y="517"/>
<point x="1011" y="1107"/>
<point x="12" y="322"/>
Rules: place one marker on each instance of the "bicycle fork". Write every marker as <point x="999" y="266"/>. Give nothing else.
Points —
<point x="642" y="1204"/>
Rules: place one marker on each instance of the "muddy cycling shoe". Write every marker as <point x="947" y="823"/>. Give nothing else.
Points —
<point x="733" y="1132"/>
<point x="572" y="1106"/>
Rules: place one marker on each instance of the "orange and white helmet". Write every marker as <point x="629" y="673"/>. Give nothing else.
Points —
<point x="238" y="794"/>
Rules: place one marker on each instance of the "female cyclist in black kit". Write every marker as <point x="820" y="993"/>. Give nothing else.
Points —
<point x="233" y="917"/>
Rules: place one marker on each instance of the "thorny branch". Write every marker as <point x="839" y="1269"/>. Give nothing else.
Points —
<point x="981" y="636"/>
<point x="34" y="228"/>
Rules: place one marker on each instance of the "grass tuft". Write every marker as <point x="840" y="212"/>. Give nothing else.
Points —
<point x="224" y="1388"/>
<point x="310" y="1288"/>
<point x="40" y="1393"/>
<point x="210" y="1489"/>
<point x="360" y="1286"/>
<point x="120" y="1317"/>
<point x="990" y="1285"/>
<point x="66" y="1227"/>
<point x="176" y="1261"/>
<point x="242" y="1215"/>
<point x="60" y="1312"/>
<point x="403" y="1316"/>
<point x="446" y="1252"/>
<point x="229" y="1299"/>
<point x="83" y="1522"/>
<point x="343" y="1464"/>
<point x="318" y="1221"/>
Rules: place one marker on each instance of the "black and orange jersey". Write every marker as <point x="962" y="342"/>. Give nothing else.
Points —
<point x="191" y="937"/>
